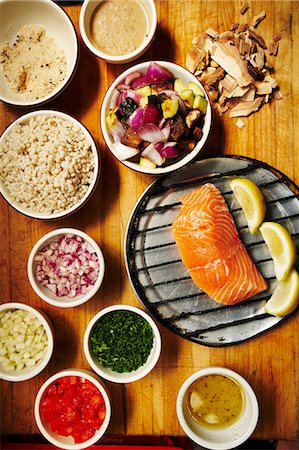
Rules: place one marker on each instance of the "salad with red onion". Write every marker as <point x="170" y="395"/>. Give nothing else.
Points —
<point x="68" y="266"/>
<point x="154" y="118"/>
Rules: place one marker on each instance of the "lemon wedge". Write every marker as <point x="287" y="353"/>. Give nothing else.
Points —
<point x="281" y="247"/>
<point x="285" y="297"/>
<point x="251" y="200"/>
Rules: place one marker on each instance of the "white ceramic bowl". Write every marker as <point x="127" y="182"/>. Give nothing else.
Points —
<point x="45" y="293"/>
<point x="29" y="372"/>
<point x="224" y="438"/>
<point x="125" y="377"/>
<point x="15" y="14"/>
<point x="178" y="72"/>
<point x="36" y="214"/>
<point x="86" y="13"/>
<point x="67" y="442"/>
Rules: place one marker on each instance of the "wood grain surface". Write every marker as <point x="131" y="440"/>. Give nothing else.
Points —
<point x="270" y="362"/>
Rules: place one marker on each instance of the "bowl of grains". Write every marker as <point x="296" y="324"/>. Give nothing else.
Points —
<point x="26" y="342"/>
<point x="66" y="267"/>
<point x="122" y="343"/>
<point x="49" y="164"/>
<point x="39" y="51"/>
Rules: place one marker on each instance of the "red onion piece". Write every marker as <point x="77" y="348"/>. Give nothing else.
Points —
<point x="151" y="114"/>
<point x="131" y="77"/>
<point x="158" y="73"/>
<point x="134" y="95"/>
<point x="161" y="123"/>
<point x="151" y="133"/>
<point x="114" y="99"/>
<point x="117" y="131"/>
<point x="166" y="132"/>
<point x="136" y="119"/>
<point x="124" y="152"/>
<point x="153" y="155"/>
<point x="64" y="266"/>
<point x="121" y="98"/>
<point x="123" y="87"/>
<point x="141" y="82"/>
<point x="159" y="146"/>
<point x="169" y="151"/>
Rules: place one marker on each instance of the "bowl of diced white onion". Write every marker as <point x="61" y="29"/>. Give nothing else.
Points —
<point x="66" y="267"/>
<point x="26" y="342"/>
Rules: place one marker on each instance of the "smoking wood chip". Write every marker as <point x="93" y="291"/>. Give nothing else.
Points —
<point x="273" y="48"/>
<point x="246" y="108"/>
<point x="211" y="32"/>
<point x="226" y="36"/>
<point x="228" y="83"/>
<point x="257" y="38"/>
<point x="278" y="95"/>
<point x="244" y="8"/>
<point x="232" y="102"/>
<point x="194" y="58"/>
<point x="240" y="123"/>
<point x="233" y="26"/>
<point x="276" y="37"/>
<point x="229" y="58"/>
<point x="263" y="87"/>
<point x="237" y="92"/>
<point x="249" y="96"/>
<point x="234" y="69"/>
<point x="257" y="19"/>
<point x="199" y="41"/>
<point x="242" y="27"/>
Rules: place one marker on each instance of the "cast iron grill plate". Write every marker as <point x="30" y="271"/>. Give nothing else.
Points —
<point x="159" y="277"/>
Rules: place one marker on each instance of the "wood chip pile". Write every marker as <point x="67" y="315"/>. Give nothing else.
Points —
<point x="232" y="67"/>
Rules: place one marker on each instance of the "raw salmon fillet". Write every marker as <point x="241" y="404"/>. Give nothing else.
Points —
<point x="211" y="249"/>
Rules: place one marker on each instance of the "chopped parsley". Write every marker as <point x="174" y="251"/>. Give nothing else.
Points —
<point x="122" y="341"/>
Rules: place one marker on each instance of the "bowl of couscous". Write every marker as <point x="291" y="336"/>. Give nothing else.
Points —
<point x="39" y="51"/>
<point x="49" y="164"/>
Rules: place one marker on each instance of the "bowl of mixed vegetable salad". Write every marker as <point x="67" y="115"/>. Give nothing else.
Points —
<point x="156" y="117"/>
<point x="72" y="409"/>
<point x="122" y="343"/>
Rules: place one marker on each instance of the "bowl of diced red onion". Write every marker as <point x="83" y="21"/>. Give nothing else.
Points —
<point x="66" y="267"/>
<point x="156" y="117"/>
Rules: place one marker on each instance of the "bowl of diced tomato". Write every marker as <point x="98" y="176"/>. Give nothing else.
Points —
<point x="72" y="409"/>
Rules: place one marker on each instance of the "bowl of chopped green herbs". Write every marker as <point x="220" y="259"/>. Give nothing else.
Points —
<point x="122" y="343"/>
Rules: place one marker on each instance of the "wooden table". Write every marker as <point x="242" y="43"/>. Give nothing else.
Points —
<point x="269" y="362"/>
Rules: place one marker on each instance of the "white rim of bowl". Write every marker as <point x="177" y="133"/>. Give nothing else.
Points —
<point x="41" y="243"/>
<point x="39" y="367"/>
<point x="105" y="106"/>
<point x="147" y="366"/>
<point x="68" y="79"/>
<point x="122" y="58"/>
<point x="97" y="165"/>
<point x="243" y="383"/>
<point x="82" y="374"/>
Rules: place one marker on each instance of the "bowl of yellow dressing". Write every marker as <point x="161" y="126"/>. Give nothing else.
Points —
<point x="118" y="31"/>
<point x="217" y="408"/>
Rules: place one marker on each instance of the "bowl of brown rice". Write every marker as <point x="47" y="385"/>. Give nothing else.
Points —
<point x="49" y="164"/>
<point x="39" y="51"/>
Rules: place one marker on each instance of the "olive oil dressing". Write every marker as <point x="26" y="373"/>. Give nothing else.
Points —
<point x="215" y="401"/>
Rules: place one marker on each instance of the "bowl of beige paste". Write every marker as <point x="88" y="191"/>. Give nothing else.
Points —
<point x="118" y="31"/>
